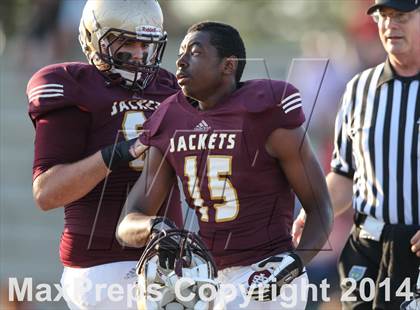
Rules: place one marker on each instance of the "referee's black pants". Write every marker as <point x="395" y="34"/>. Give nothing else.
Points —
<point x="391" y="258"/>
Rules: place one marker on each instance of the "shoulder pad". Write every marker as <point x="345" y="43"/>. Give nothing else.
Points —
<point x="53" y="87"/>
<point x="264" y="95"/>
<point x="279" y="103"/>
<point x="165" y="83"/>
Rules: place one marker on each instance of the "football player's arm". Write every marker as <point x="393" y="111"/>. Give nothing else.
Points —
<point x="65" y="183"/>
<point x="301" y="168"/>
<point x="340" y="190"/>
<point x="145" y="199"/>
<point x="59" y="178"/>
<point x="340" y="179"/>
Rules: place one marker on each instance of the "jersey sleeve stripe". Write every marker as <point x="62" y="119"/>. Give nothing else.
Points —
<point x="45" y="96"/>
<point x="50" y="90"/>
<point x="291" y="103"/>
<point x="45" y="86"/>
<point x="285" y="100"/>
<point x="292" y="108"/>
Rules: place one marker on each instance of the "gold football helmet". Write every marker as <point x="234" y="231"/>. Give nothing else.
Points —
<point x="107" y="26"/>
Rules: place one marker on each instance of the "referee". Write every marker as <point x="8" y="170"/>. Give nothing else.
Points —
<point x="376" y="166"/>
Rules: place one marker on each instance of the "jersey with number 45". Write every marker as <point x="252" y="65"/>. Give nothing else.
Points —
<point x="241" y="196"/>
<point x="76" y="112"/>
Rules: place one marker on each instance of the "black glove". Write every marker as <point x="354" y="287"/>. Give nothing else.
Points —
<point x="116" y="154"/>
<point x="168" y="247"/>
<point x="272" y="272"/>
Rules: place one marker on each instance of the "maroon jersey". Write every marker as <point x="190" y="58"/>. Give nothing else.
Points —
<point x="243" y="200"/>
<point x="76" y="112"/>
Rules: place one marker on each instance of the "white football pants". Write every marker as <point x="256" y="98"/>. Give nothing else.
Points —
<point x="234" y="284"/>
<point x="107" y="286"/>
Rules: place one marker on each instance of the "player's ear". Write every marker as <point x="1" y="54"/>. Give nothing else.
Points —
<point x="230" y="65"/>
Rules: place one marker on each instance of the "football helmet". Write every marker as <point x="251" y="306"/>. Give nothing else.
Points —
<point x="107" y="26"/>
<point x="413" y="304"/>
<point x="192" y="266"/>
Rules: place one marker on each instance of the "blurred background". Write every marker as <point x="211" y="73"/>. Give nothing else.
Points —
<point x="292" y="40"/>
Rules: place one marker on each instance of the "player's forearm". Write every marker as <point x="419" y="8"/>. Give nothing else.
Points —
<point x="134" y="229"/>
<point x="315" y="234"/>
<point x="340" y="189"/>
<point x="63" y="184"/>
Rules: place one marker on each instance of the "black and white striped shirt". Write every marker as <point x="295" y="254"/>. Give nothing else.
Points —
<point x="377" y="135"/>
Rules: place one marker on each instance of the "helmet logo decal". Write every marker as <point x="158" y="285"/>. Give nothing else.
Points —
<point x="148" y="31"/>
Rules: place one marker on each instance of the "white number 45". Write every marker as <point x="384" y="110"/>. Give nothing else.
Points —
<point x="219" y="167"/>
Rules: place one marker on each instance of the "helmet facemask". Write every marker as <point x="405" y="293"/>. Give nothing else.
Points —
<point x="192" y="261"/>
<point x="136" y="73"/>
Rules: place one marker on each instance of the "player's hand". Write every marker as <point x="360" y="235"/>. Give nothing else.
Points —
<point x="415" y="243"/>
<point x="168" y="247"/>
<point x="271" y="273"/>
<point x="297" y="228"/>
<point x="123" y="152"/>
<point x="162" y="224"/>
<point x="137" y="149"/>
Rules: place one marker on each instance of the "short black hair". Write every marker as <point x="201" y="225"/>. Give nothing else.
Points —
<point x="227" y="40"/>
